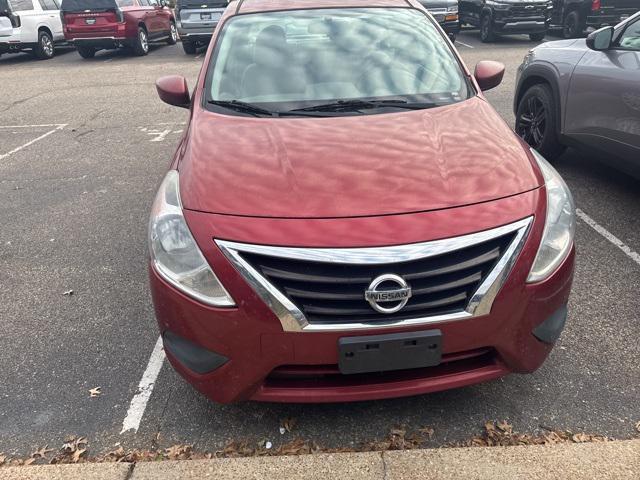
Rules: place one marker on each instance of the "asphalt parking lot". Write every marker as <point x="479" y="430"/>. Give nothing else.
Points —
<point x="83" y="146"/>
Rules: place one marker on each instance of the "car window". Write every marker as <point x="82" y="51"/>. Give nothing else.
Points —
<point x="305" y="56"/>
<point x="630" y="38"/>
<point x="21" y="5"/>
<point x="152" y="3"/>
<point x="48" y="5"/>
<point x="125" y="3"/>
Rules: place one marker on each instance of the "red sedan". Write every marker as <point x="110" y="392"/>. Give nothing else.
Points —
<point x="347" y="218"/>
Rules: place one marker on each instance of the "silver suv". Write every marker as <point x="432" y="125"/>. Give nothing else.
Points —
<point x="196" y="21"/>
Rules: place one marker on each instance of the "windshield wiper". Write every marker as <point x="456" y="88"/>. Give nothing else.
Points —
<point x="243" y="107"/>
<point x="259" y="111"/>
<point x="351" y="105"/>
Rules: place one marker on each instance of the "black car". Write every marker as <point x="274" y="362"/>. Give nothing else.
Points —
<point x="495" y="17"/>
<point x="446" y="14"/>
<point x="574" y="17"/>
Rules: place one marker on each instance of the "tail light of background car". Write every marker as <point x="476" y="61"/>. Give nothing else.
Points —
<point x="595" y="5"/>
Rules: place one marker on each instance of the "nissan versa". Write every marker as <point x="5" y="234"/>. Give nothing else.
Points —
<point x="347" y="218"/>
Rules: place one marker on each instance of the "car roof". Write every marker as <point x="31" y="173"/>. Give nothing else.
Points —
<point x="252" y="6"/>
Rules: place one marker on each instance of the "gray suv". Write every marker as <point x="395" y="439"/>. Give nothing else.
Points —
<point x="196" y="21"/>
<point x="584" y="93"/>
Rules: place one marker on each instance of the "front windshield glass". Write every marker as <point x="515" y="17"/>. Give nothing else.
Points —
<point x="294" y="59"/>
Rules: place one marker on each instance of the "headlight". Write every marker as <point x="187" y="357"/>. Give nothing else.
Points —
<point x="175" y="254"/>
<point x="559" y="227"/>
<point x="453" y="8"/>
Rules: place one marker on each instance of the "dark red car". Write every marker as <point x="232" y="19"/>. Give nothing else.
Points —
<point x="347" y="218"/>
<point x="93" y="25"/>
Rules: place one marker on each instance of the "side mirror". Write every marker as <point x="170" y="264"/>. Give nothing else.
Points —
<point x="173" y="90"/>
<point x="600" y="39"/>
<point x="488" y="74"/>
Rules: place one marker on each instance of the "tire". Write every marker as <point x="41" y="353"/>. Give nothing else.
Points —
<point x="188" y="47"/>
<point x="87" y="52"/>
<point x="572" y="25"/>
<point x="173" y="34"/>
<point x="141" y="43"/>
<point x="486" y="29"/>
<point x="537" y="37"/>
<point x="452" y="37"/>
<point x="536" y="121"/>
<point x="45" y="49"/>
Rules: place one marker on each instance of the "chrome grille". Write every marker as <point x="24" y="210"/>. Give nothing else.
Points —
<point x="334" y="293"/>
<point x="323" y="289"/>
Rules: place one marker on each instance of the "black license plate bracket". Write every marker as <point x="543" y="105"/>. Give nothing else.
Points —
<point x="394" y="351"/>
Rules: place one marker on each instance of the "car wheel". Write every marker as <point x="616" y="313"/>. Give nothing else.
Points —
<point x="87" y="52"/>
<point x="537" y="37"/>
<point x="173" y="34"/>
<point x="452" y="37"/>
<point x="486" y="29"/>
<point x="44" y="50"/>
<point x="536" y="121"/>
<point x="141" y="45"/>
<point x="571" y="28"/>
<point x="188" y="47"/>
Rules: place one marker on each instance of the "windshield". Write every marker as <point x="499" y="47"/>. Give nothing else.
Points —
<point x="201" y="4"/>
<point x="296" y="59"/>
<point x="82" y="5"/>
<point x="16" y="5"/>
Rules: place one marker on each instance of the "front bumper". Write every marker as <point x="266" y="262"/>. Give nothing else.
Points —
<point x="268" y="364"/>
<point x="512" y="25"/>
<point x="452" y="27"/>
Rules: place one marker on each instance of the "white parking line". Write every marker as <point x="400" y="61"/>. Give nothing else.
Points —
<point x="464" y="44"/>
<point x="145" y="387"/>
<point x="31" y="142"/>
<point x="635" y="256"/>
<point x="60" y="125"/>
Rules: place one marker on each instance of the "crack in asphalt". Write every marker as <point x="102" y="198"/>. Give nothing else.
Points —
<point x="129" y="474"/>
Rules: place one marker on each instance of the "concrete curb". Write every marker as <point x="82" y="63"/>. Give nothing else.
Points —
<point x="604" y="461"/>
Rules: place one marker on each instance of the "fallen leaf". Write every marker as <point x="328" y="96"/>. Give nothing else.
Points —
<point x="504" y="426"/>
<point x="68" y="293"/>
<point x="295" y="447"/>
<point x="178" y="452"/>
<point x="77" y="454"/>
<point x="288" y="423"/>
<point x="42" y="452"/>
<point x="28" y="461"/>
<point x="428" y="431"/>
<point x="3" y="459"/>
<point x="638" y="426"/>
<point x="95" y="392"/>
<point x="580" y="438"/>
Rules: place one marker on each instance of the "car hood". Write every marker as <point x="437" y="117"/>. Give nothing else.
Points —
<point x="579" y="43"/>
<point x="352" y="166"/>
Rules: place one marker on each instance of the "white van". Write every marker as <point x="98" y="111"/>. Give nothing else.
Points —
<point x="33" y="25"/>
